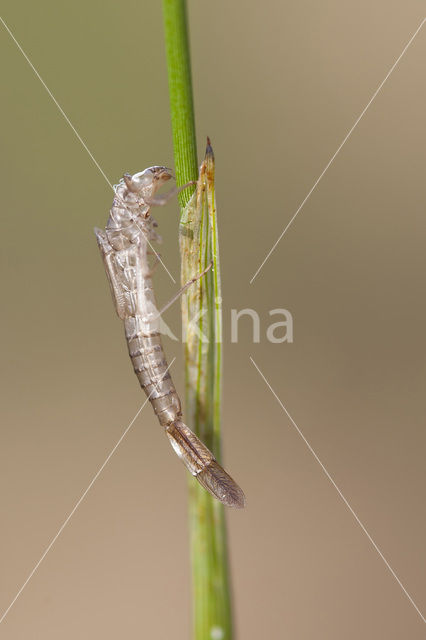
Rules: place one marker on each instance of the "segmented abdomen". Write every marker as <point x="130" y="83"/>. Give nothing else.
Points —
<point x="151" y="368"/>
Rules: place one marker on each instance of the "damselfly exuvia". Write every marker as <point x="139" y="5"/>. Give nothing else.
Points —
<point x="124" y="246"/>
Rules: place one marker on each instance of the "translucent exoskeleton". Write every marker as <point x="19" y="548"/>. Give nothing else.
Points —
<point x="124" y="246"/>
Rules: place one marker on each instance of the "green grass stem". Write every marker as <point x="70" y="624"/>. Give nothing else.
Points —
<point x="180" y="92"/>
<point x="212" y="614"/>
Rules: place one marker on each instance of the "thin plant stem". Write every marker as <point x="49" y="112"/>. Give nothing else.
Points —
<point x="212" y="613"/>
<point x="180" y="91"/>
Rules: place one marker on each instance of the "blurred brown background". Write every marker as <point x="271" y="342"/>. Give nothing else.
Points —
<point x="277" y="87"/>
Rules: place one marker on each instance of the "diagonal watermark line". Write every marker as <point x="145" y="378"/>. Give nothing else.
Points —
<point x="338" y="491"/>
<point x="68" y="121"/>
<point x="57" y="103"/>
<point x="79" y="501"/>
<point x="338" y="149"/>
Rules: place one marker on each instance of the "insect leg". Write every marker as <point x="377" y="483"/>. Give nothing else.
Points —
<point x="184" y="288"/>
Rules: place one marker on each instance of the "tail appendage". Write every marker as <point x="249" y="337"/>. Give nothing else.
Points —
<point x="202" y="464"/>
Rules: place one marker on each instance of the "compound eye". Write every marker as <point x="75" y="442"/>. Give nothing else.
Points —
<point x="162" y="173"/>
